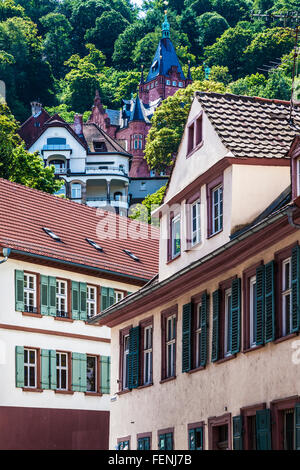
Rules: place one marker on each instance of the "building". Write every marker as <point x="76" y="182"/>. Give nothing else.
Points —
<point x="55" y="367"/>
<point x="210" y="347"/>
<point x="102" y="161"/>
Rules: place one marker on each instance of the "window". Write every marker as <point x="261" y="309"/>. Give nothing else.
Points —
<point x="174" y="83"/>
<point x="30" y="368"/>
<point x="59" y="166"/>
<point x="124" y="445"/>
<point x="196" y="437"/>
<point x="52" y="234"/>
<point x="137" y="141"/>
<point x="286" y="297"/>
<point x="198" y="127"/>
<point x="175" y="236"/>
<point x="125" y="362"/>
<point x="143" y="186"/>
<point x="62" y="191"/>
<point x="217" y="209"/>
<point x="61" y="299"/>
<point x="76" y="191"/>
<point x="190" y="138"/>
<point x="147" y="355"/>
<point x="168" y="82"/>
<point x="168" y="337"/>
<point x="228" y="323"/>
<point x="194" y="134"/>
<point x="92" y="374"/>
<point x="165" y="441"/>
<point x="195" y="223"/>
<point x="144" y="443"/>
<point x="133" y="256"/>
<point x="30" y="293"/>
<point x="56" y="141"/>
<point x="285" y="423"/>
<point x="252" y="310"/>
<point x="180" y="84"/>
<point x="198" y="335"/>
<point x="91" y="300"/>
<point x="99" y="146"/>
<point x="152" y="173"/>
<point x="62" y="371"/>
<point x="219" y="432"/>
<point x="94" y="244"/>
<point x="119" y="295"/>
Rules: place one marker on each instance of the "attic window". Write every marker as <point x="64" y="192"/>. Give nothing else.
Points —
<point x="134" y="257"/>
<point x="56" y="141"/>
<point x="99" y="146"/>
<point x="52" y="234"/>
<point x="94" y="245"/>
<point x="154" y="66"/>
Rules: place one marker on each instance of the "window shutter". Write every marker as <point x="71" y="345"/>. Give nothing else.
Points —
<point x="269" y="303"/>
<point x="75" y="300"/>
<point x="186" y="337"/>
<point x="83" y="373"/>
<point x="204" y="326"/>
<point x="295" y="289"/>
<point x="237" y="423"/>
<point x="104" y="298"/>
<point x="45" y="369"/>
<point x="235" y="315"/>
<point x="260" y="304"/>
<point x="83" y="301"/>
<point x="216" y="320"/>
<point x="52" y="358"/>
<point x="133" y="358"/>
<point x="52" y="296"/>
<point x="76" y="372"/>
<point x="263" y="430"/>
<point x="105" y="374"/>
<point x="111" y="297"/>
<point x="297" y="426"/>
<point x="44" y="295"/>
<point x="19" y="366"/>
<point x="19" y="290"/>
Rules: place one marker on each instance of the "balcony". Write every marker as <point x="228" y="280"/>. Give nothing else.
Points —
<point x="105" y="170"/>
<point x="60" y="171"/>
<point x="103" y="201"/>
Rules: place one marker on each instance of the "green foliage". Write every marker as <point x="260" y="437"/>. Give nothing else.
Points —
<point x="16" y="164"/>
<point x="9" y="9"/>
<point x="211" y="25"/>
<point x="142" y="212"/>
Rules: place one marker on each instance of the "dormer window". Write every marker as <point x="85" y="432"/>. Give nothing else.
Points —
<point x="99" y="146"/>
<point x="195" y="134"/>
<point x="175" y="236"/>
<point x="154" y="66"/>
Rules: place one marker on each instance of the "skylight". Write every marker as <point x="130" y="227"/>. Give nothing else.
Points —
<point x="52" y="234"/>
<point x="131" y="255"/>
<point x="94" y="244"/>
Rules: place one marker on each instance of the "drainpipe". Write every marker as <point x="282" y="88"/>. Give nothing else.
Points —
<point x="6" y="253"/>
<point x="290" y="212"/>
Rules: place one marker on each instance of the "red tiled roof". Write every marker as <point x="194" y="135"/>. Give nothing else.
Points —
<point x="24" y="212"/>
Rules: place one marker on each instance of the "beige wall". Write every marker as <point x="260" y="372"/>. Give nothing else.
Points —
<point x="259" y="376"/>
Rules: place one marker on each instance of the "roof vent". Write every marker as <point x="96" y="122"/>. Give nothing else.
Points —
<point x="94" y="245"/>
<point x="131" y="255"/>
<point x="52" y="234"/>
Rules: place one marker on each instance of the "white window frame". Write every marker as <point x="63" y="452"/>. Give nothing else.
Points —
<point x="119" y="295"/>
<point x="61" y="298"/>
<point x="228" y="322"/>
<point x="125" y="377"/>
<point x="170" y="345"/>
<point x="61" y="368"/>
<point x="30" y="293"/>
<point x="28" y="365"/>
<point x="198" y="332"/>
<point x="76" y="192"/>
<point x="252" y="310"/>
<point x="196" y="234"/>
<point x="286" y="293"/>
<point x="91" y="300"/>
<point x="96" y="373"/>
<point x="217" y="221"/>
<point x="148" y="352"/>
<point x="175" y="221"/>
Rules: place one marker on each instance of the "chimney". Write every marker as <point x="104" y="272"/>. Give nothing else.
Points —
<point x="36" y="108"/>
<point x="78" y="125"/>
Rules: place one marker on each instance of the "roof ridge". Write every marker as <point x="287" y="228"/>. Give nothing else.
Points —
<point x="247" y="97"/>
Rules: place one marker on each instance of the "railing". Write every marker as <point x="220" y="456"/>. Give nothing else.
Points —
<point x="60" y="171"/>
<point x="100" y="170"/>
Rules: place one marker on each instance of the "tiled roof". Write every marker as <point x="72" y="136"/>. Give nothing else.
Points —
<point x="251" y="126"/>
<point x="92" y="132"/>
<point x="138" y="112"/>
<point x="24" y="212"/>
<point x="114" y="116"/>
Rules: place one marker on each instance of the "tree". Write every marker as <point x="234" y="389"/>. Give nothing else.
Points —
<point x="220" y="74"/>
<point x="211" y="25"/>
<point x="125" y="44"/>
<point x="143" y="211"/>
<point x="251" y="85"/>
<point x="16" y="164"/>
<point x="35" y="9"/>
<point x="168" y="124"/>
<point x="9" y="9"/>
<point x="233" y="10"/>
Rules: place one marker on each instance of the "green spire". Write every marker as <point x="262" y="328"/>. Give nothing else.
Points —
<point x="166" y="27"/>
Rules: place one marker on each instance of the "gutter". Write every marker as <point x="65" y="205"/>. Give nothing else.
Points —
<point x="145" y="292"/>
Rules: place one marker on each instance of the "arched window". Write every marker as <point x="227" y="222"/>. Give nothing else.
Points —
<point x="59" y="165"/>
<point x="76" y="191"/>
<point x="137" y="142"/>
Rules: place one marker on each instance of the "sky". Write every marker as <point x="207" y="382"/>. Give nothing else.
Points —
<point x="137" y="2"/>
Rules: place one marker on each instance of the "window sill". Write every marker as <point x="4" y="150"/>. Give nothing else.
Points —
<point x="144" y="386"/>
<point x="211" y="235"/>
<point x="35" y="315"/>
<point x="168" y="379"/>
<point x="35" y="390"/>
<point x="192" y="247"/>
<point x="225" y="359"/>
<point x="173" y="259"/>
<point x="93" y="394"/>
<point x="70" y="320"/>
<point x="196" y="369"/>
<point x="285" y="338"/>
<point x="64" y="392"/>
<point x="195" y="149"/>
<point x="254" y="348"/>
<point x="122" y="392"/>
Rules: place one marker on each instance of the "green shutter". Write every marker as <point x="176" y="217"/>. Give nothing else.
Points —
<point x="76" y="372"/>
<point x="111" y="296"/>
<point x="235" y="316"/>
<point x="216" y="320"/>
<point x="297" y="426"/>
<point x="83" y="373"/>
<point x="295" y="289"/>
<point x="237" y="424"/>
<point x="45" y="369"/>
<point x="44" y="295"/>
<point x="260" y="304"/>
<point x="83" y="302"/>
<point x="263" y="430"/>
<point x="19" y="366"/>
<point x="204" y="327"/>
<point x="105" y="374"/>
<point x="269" y="302"/>
<point x="186" y="337"/>
<point x="52" y="359"/>
<point x="75" y="300"/>
<point x="104" y="298"/>
<point x="52" y="296"/>
<point x="133" y="358"/>
<point x="19" y="291"/>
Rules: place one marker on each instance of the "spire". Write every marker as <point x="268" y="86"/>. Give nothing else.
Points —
<point x="189" y="75"/>
<point x="142" y="81"/>
<point x="166" y="27"/>
<point x="137" y="113"/>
